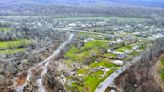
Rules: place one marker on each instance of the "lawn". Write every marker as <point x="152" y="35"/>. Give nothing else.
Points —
<point x="110" y="55"/>
<point x="14" y="44"/>
<point x="5" y="29"/>
<point x="90" y="48"/>
<point x="11" y="51"/>
<point x="124" y="48"/>
<point x="12" y="47"/>
<point x="92" y="35"/>
<point x="93" y="80"/>
<point x="96" y="43"/>
<point x="106" y="64"/>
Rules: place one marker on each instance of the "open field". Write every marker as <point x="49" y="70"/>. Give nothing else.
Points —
<point x="118" y="19"/>
<point x="12" y="47"/>
<point x="14" y="44"/>
<point x="12" y="51"/>
<point x="5" y="29"/>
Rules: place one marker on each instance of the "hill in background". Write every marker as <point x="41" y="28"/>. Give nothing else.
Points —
<point x="81" y="7"/>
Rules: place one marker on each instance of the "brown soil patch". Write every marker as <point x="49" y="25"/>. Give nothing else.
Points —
<point x="21" y="79"/>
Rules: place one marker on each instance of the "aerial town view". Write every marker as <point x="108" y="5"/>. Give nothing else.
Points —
<point x="81" y="46"/>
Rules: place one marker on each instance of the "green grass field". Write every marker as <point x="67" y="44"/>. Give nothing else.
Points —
<point x="92" y="35"/>
<point x="12" y="47"/>
<point x="12" y="51"/>
<point x="87" y="50"/>
<point x="5" y="29"/>
<point x="14" y="44"/>
<point x="124" y="48"/>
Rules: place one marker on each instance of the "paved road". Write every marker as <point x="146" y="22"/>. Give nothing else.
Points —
<point x="109" y="81"/>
